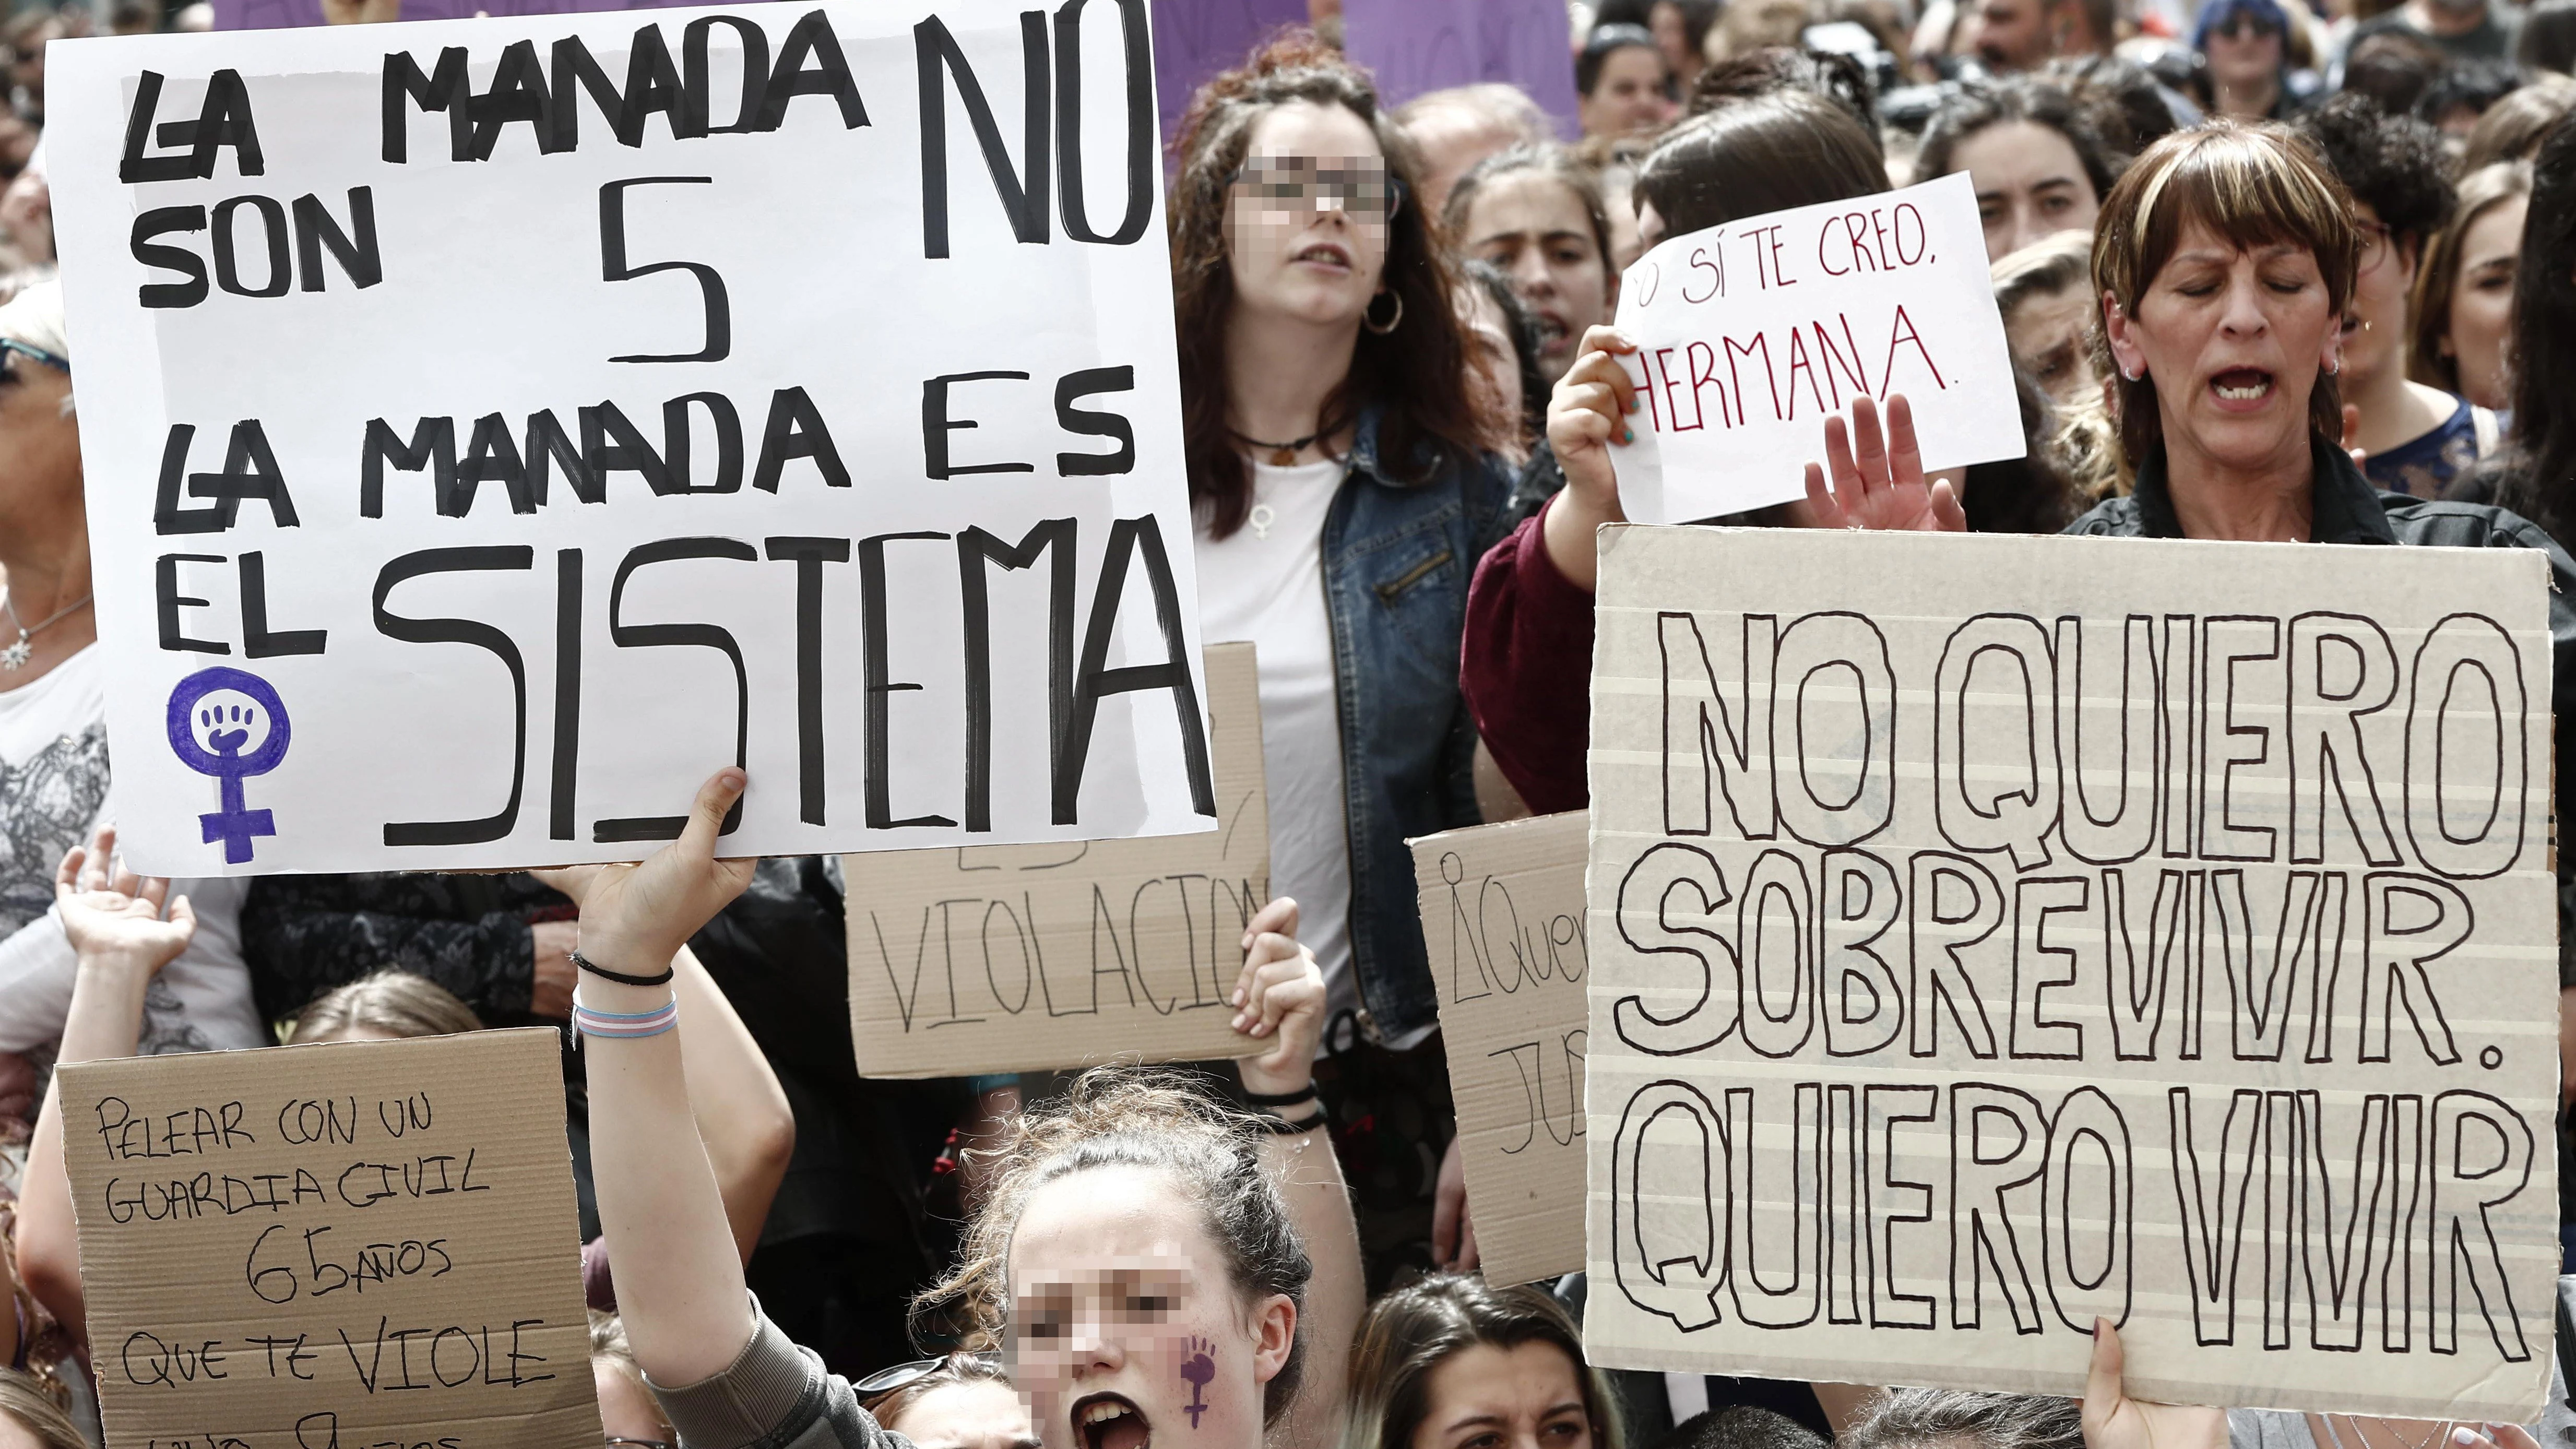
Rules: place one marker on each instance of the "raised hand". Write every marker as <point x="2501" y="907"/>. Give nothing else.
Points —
<point x="1875" y="481"/>
<point x="2113" y="1420"/>
<point x="115" y="917"/>
<point x="1279" y="993"/>
<point x="1587" y="416"/>
<point x="1453" y="1226"/>
<point x="635" y="918"/>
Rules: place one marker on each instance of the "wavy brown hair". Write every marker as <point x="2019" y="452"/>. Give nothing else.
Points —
<point x="1416" y="375"/>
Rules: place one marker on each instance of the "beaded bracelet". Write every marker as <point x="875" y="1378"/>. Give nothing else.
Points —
<point x="624" y="1024"/>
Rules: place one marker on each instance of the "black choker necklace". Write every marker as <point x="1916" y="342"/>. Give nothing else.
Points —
<point x="1281" y="454"/>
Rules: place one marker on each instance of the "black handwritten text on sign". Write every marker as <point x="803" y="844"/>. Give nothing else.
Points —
<point x="1995" y="934"/>
<point x="327" y="1247"/>
<point x="789" y="388"/>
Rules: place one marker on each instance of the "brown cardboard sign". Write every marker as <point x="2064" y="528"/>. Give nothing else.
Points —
<point x="1502" y="916"/>
<point x="1992" y="934"/>
<point x="995" y="958"/>
<point x="354" y="1245"/>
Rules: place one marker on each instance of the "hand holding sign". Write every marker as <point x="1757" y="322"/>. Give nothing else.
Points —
<point x="2113" y="1420"/>
<point x="635" y="918"/>
<point x="1281" y="990"/>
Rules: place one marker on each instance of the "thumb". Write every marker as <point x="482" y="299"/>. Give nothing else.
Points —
<point x="706" y="815"/>
<point x="2103" y="1386"/>
<point x="1949" y="515"/>
<point x="183" y="914"/>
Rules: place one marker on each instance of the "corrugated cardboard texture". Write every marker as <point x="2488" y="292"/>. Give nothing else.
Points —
<point x="342" y="1246"/>
<point x="1502" y="916"/>
<point x="999" y="958"/>
<point x="1991" y="933"/>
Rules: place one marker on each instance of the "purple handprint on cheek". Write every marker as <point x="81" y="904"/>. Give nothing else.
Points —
<point x="1198" y="1371"/>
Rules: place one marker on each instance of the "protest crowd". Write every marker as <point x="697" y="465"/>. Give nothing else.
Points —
<point x="2267" y="270"/>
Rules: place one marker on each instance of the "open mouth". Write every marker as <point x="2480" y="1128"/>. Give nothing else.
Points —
<point x="1552" y="331"/>
<point x="1324" y="254"/>
<point x="1110" y="1421"/>
<point x="2241" y="386"/>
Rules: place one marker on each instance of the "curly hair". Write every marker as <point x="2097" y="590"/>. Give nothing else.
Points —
<point x="1415" y="372"/>
<point x="2392" y="164"/>
<point x="1161" y="1121"/>
<point x="2082" y="118"/>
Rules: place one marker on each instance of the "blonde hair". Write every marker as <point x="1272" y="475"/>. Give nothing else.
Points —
<point x="1156" y="1120"/>
<point x="2438" y="279"/>
<point x="2253" y="185"/>
<point x="35" y="317"/>
<point x="22" y="1397"/>
<point x="397" y="1003"/>
<point x="609" y="1349"/>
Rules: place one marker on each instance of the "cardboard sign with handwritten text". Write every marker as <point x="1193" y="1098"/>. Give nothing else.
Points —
<point x="1003" y="958"/>
<point x="337" y="1246"/>
<point x="1993" y="934"/>
<point x="1502" y="916"/>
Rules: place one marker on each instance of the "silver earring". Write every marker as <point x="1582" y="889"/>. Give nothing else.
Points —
<point x="2334" y="368"/>
<point x="2126" y="373"/>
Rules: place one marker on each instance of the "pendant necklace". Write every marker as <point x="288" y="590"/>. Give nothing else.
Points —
<point x="14" y="657"/>
<point x="1282" y="455"/>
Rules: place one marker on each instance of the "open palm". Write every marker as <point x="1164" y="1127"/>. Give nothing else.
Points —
<point x="1874" y="480"/>
<point x="110" y="913"/>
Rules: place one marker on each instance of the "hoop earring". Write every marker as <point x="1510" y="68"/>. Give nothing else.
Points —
<point x="1391" y="323"/>
<point x="2335" y="368"/>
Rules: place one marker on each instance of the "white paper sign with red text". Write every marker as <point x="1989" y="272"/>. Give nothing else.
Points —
<point x="1750" y="334"/>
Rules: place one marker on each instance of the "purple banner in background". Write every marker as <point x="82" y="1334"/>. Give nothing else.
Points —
<point x="1428" y="45"/>
<point x="1194" y="39"/>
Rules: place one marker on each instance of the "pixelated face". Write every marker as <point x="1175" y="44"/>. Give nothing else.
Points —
<point x="1308" y="215"/>
<point x="1125" y="1331"/>
<point x="985" y="1414"/>
<point x="1524" y="1397"/>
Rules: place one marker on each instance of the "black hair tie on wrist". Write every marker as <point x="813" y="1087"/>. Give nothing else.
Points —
<point x="620" y="977"/>
<point x="1280" y="1099"/>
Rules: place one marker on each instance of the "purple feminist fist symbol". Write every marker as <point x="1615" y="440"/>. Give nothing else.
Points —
<point x="209" y="734"/>
<point x="1198" y="1370"/>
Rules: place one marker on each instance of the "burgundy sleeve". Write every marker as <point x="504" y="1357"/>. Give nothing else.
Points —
<point x="1526" y="669"/>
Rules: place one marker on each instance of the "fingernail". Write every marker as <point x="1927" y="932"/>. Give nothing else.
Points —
<point x="2465" y="1437"/>
<point x="733" y="779"/>
<point x="1238" y="997"/>
<point x="1627" y="435"/>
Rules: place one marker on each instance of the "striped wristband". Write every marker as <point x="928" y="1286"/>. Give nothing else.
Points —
<point x="624" y="1024"/>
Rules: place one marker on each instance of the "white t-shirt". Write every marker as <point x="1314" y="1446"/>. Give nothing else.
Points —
<point x="1265" y="583"/>
<point x="53" y="790"/>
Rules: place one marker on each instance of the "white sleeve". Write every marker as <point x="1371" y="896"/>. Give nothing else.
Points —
<point x="36" y="967"/>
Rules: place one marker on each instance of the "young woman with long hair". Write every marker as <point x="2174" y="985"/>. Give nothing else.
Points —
<point x="1346" y="476"/>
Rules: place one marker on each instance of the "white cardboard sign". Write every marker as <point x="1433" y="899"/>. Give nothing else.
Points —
<point x="499" y="424"/>
<point x="1993" y="933"/>
<point x="1750" y="334"/>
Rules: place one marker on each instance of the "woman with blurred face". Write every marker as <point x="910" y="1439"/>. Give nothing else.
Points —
<point x="1624" y="84"/>
<point x="2046" y="297"/>
<point x="2464" y="291"/>
<point x="2246" y="44"/>
<point x="1536" y="213"/>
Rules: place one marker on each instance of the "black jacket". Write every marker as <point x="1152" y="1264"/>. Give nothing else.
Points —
<point x="2348" y="510"/>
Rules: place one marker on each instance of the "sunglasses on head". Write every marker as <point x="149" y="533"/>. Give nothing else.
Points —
<point x="904" y="1375"/>
<point x="2239" y="25"/>
<point x="1358" y="185"/>
<point x="9" y="345"/>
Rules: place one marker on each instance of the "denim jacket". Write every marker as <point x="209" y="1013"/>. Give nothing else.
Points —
<point x="1397" y="559"/>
